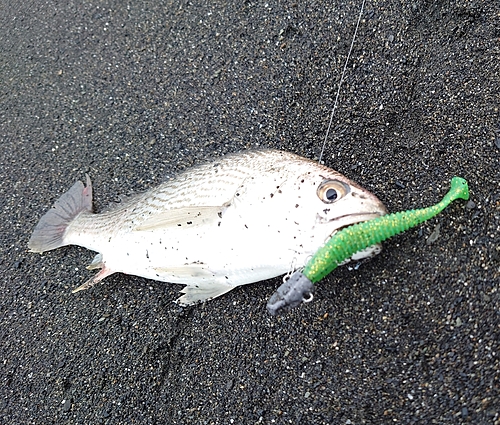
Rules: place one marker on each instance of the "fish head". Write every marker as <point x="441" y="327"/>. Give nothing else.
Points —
<point x="332" y="201"/>
<point x="341" y="202"/>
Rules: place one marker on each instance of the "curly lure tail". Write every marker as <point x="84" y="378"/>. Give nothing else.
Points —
<point x="354" y="238"/>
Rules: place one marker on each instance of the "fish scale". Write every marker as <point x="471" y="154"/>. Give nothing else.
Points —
<point x="244" y="218"/>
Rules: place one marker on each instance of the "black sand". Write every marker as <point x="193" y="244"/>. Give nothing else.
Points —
<point x="133" y="91"/>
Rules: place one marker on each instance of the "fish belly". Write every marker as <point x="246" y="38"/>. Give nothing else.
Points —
<point x="202" y="256"/>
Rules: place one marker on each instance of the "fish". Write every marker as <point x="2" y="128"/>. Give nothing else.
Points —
<point x="243" y="218"/>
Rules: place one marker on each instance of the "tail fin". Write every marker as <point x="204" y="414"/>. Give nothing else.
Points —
<point x="49" y="232"/>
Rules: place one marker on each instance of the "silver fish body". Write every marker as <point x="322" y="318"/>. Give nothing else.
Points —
<point x="244" y="218"/>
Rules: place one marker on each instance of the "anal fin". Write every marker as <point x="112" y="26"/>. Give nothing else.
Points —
<point x="97" y="263"/>
<point x="104" y="272"/>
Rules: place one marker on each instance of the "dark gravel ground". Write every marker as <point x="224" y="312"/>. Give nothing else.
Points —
<point x="133" y="91"/>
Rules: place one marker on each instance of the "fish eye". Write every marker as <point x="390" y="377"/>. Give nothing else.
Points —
<point x="330" y="191"/>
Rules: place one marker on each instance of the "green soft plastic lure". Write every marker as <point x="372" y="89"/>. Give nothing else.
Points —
<point x="343" y="244"/>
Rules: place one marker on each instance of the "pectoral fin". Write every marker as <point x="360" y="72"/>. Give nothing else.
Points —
<point x="188" y="216"/>
<point x="186" y="271"/>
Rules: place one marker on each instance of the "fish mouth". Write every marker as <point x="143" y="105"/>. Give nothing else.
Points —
<point x="347" y="220"/>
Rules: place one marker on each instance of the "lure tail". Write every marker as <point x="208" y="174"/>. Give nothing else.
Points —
<point x="49" y="232"/>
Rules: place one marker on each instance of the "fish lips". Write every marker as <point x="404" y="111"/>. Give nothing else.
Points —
<point x="347" y="220"/>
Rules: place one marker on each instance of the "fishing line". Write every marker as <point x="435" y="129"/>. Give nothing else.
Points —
<point x="340" y="83"/>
